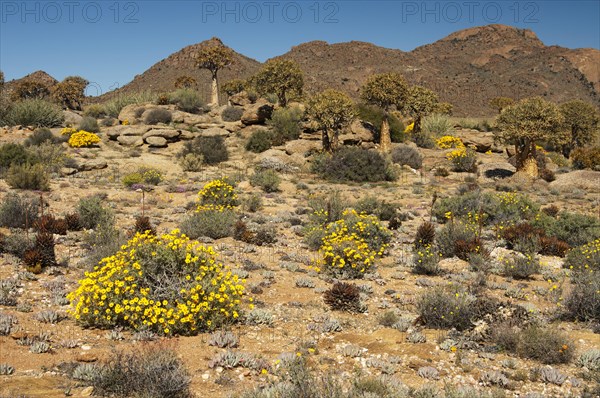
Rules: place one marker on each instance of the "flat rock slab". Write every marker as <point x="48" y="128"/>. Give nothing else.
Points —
<point x="167" y="134"/>
<point x="130" y="140"/>
<point x="95" y="164"/>
<point x="215" y="132"/>
<point x="156" y="142"/>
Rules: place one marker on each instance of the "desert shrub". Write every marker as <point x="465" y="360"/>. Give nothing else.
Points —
<point x="343" y="296"/>
<point x="354" y="164"/>
<point x="551" y="246"/>
<point x="187" y="100"/>
<point x="212" y="149"/>
<point x="191" y="162"/>
<point x="103" y="241"/>
<point x="574" y="228"/>
<point x="17" y="243"/>
<point x="450" y="240"/>
<point x="34" y="112"/>
<point x="259" y="141"/>
<point x="27" y="176"/>
<point x="18" y="211"/>
<point x="372" y="205"/>
<point x="212" y="223"/>
<point x="445" y="308"/>
<point x="91" y="212"/>
<point x="51" y="156"/>
<point x="463" y="159"/>
<point x="13" y="154"/>
<point x="423" y="139"/>
<point x="441" y="172"/>
<point x="73" y="222"/>
<point x="425" y="235"/>
<point x="232" y="113"/>
<point x="158" y="115"/>
<point x="522" y="237"/>
<point x="95" y="111"/>
<point x="268" y="180"/>
<point x="114" y="106"/>
<point x="143" y="224"/>
<point x="407" y="155"/>
<point x="586" y="158"/>
<point x="89" y="124"/>
<point x="143" y="175"/>
<point x="374" y="115"/>
<point x="583" y="301"/>
<point x="252" y="203"/>
<point x="48" y="223"/>
<point x="449" y="141"/>
<point x="83" y="139"/>
<point x="172" y="281"/>
<point x="437" y="124"/>
<point x="521" y="267"/>
<point x="426" y="261"/>
<point x="546" y="345"/>
<point x="326" y="208"/>
<point x="42" y="254"/>
<point x="150" y="371"/>
<point x="285" y="123"/>
<point x="40" y="136"/>
<point x="219" y="194"/>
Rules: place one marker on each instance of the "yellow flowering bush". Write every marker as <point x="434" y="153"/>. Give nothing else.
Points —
<point x="83" y="139"/>
<point x="68" y="131"/>
<point x="217" y="195"/>
<point x="463" y="159"/>
<point x="351" y="244"/>
<point x="144" y="175"/>
<point x="409" y="128"/>
<point x="449" y="141"/>
<point x="168" y="284"/>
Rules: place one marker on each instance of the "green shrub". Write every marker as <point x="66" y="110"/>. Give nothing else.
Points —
<point x="268" y="180"/>
<point x="520" y="267"/>
<point x="49" y="155"/>
<point x="13" y="154"/>
<point x="583" y="301"/>
<point x="212" y="149"/>
<point x="114" y="106"/>
<point x="522" y="237"/>
<point x="95" y="111"/>
<point x="92" y="213"/>
<point x="157" y="115"/>
<point x="252" y="203"/>
<point x="144" y="175"/>
<point x="574" y="228"/>
<point x="586" y="158"/>
<point x="89" y="124"/>
<point x="187" y="100"/>
<point x="232" y="114"/>
<point x="463" y="160"/>
<point x="546" y="345"/>
<point x="407" y="155"/>
<point x="426" y="261"/>
<point x="374" y="115"/>
<point x="40" y="136"/>
<point x="423" y="139"/>
<point x="34" y="112"/>
<point x="454" y="234"/>
<point x="104" y="241"/>
<point x="285" y="123"/>
<point x="18" y="211"/>
<point x="445" y="308"/>
<point x="354" y="164"/>
<point x="326" y="208"/>
<point x="17" y="243"/>
<point x="150" y="371"/>
<point x="27" y="176"/>
<point x="259" y="141"/>
<point x="437" y="124"/>
<point x="215" y="224"/>
<point x="191" y="162"/>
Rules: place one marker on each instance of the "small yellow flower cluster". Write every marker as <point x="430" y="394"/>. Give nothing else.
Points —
<point x="410" y="128"/>
<point x="449" y="141"/>
<point x="458" y="153"/>
<point x="217" y="195"/>
<point x="83" y="139"/>
<point x="68" y="131"/>
<point x="168" y="284"/>
<point x="585" y="259"/>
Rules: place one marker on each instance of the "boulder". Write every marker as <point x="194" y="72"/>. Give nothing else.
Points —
<point x="214" y="132"/>
<point x="192" y="120"/>
<point x="115" y="131"/>
<point x="240" y="99"/>
<point x="156" y="142"/>
<point x="72" y="118"/>
<point x="92" y="164"/>
<point x="302" y="147"/>
<point x="130" y="140"/>
<point x="233" y="127"/>
<point x="187" y="135"/>
<point x="257" y="113"/>
<point x="359" y="132"/>
<point x="482" y="142"/>
<point x="67" y="171"/>
<point x="584" y="180"/>
<point x="131" y="113"/>
<point x="170" y="135"/>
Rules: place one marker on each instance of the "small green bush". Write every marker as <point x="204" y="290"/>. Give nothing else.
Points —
<point x="442" y="308"/>
<point x="520" y="267"/>
<point x="27" y="176"/>
<point x="252" y="203"/>
<point x="259" y="141"/>
<point x="354" y="164"/>
<point x="215" y="224"/>
<point x="423" y="140"/>
<point x="546" y="345"/>
<point x="40" y="136"/>
<point x="158" y="115"/>
<point x="586" y="158"/>
<point x="212" y="149"/>
<point x="95" y="111"/>
<point x="144" y="175"/>
<point x="450" y="237"/>
<point x="232" y="114"/>
<point x="426" y="261"/>
<point x="50" y="155"/>
<point x="583" y="301"/>
<point x="187" y="100"/>
<point x="92" y="213"/>
<point x="13" y="154"/>
<point x="268" y="180"/>
<point x="114" y="106"/>
<point x="89" y="124"/>
<point x="574" y="228"/>
<point x="285" y="123"/>
<point x="104" y="241"/>
<point x="407" y="155"/>
<point x="191" y="162"/>
<point x="437" y="124"/>
<point x="18" y="211"/>
<point x="34" y="112"/>
<point x="374" y="115"/>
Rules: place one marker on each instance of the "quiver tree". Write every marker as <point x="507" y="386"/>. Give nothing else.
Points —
<point x="185" y="82"/>
<point x="331" y="111"/>
<point x="419" y="103"/>
<point x="70" y="92"/>
<point x="581" y="125"/>
<point x="29" y="89"/>
<point x="527" y="122"/>
<point x="233" y="87"/>
<point x="499" y="103"/>
<point x="214" y="57"/>
<point x="385" y="90"/>
<point x="281" y="77"/>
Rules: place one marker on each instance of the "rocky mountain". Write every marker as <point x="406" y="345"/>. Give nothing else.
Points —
<point x="466" y="68"/>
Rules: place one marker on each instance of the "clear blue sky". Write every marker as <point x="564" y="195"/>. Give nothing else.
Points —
<point x="109" y="42"/>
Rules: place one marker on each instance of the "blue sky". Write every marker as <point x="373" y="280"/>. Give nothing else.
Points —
<point x="109" y="42"/>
